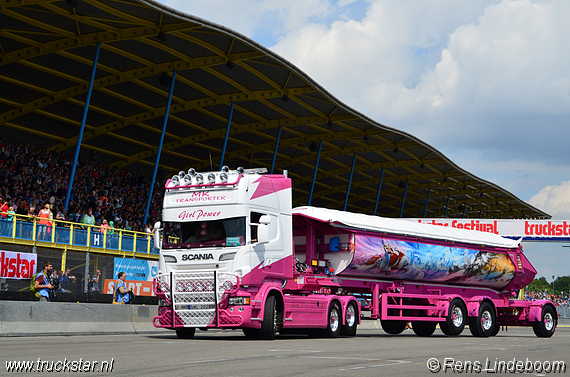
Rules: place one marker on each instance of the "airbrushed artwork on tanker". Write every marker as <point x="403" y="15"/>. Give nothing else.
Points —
<point x="396" y="259"/>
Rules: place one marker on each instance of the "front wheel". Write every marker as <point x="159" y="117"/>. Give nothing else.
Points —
<point x="547" y="325"/>
<point x="251" y="333"/>
<point x="186" y="333"/>
<point x="350" y="320"/>
<point x="268" y="326"/>
<point x="484" y="324"/>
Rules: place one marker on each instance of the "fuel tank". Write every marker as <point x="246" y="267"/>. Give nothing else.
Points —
<point x="394" y="259"/>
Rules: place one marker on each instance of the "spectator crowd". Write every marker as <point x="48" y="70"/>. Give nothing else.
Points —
<point x="34" y="182"/>
<point x="560" y="300"/>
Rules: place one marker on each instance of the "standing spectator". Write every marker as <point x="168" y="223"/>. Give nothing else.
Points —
<point x="104" y="227"/>
<point x="43" y="282"/>
<point x="122" y="295"/>
<point x="4" y="208"/>
<point x="45" y="216"/>
<point x="96" y="282"/>
<point x="64" y="280"/>
<point x="88" y="218"/>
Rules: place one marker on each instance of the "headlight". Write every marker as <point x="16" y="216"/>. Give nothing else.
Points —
<point x="190" y="287"/>
<point x="199" y="179"/>
<point x="238" y="301"/>
<point x="224" y="177"/>
<point x="169" y="259"/>
<point x="192" y="172"/>
<point x="227" y="256"/>
<point x="209" y="286"/>
<point x="187" y="180"/>
<point x="180" y="287"/>
<point x="175" y="180"/>
<point x="227" y="285"/>
<point x="225" y="169"/>
<point x="199" y="286"/>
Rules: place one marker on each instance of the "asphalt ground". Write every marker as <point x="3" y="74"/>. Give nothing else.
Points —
<point x="230" y="353"/>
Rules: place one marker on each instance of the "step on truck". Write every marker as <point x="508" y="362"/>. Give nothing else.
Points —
<point x="234" y="254"/>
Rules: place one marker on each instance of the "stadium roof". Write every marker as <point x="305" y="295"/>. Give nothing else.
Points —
<point x="47" y="51"/>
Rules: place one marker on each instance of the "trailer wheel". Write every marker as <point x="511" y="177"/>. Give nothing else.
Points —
<point x="334" y="322"/>
<point x="268" y="326"/>
<point x="251" y="333"/>
<point x="186" y="333"/>
<point x="422" y="328"/>
<point x="547" y="325"/>
<point x="350" y="320"/>
<point x="393" y="327"/>
<point x="456" y="318"/>
<point x="484" y="324"/>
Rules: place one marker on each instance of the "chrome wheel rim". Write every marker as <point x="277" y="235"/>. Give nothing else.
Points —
<point x="486" y="320"/>
<point x="548" y="321"/>
<point x="350" y="316"/>
<point x="333" y="319"/>
<point x="457" y="316"/>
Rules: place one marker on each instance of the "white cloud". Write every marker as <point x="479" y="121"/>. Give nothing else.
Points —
<point x="554" y="199"/>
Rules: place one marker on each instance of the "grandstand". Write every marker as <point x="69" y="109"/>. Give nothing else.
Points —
<point x="216" y="97"/>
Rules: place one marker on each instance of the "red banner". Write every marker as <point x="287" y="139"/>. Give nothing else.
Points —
<point x="15" y="265"/>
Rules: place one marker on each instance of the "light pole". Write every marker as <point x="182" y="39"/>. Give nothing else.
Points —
<point x="553" y="285"/>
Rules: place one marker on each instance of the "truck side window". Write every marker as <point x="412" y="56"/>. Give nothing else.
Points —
<point x="254" y="219"/>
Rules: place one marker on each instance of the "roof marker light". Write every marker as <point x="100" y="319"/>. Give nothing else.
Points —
<point x="211" y="178"/>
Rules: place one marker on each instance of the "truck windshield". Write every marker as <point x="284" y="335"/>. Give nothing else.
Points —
<point x="197" y="234"/>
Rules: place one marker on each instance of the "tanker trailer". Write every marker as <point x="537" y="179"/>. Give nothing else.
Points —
<point x="422" y="274"/>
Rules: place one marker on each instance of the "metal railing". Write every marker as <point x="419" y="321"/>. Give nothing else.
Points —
<point x="73" y="236"/>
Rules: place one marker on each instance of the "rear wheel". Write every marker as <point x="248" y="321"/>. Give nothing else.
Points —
<point x="456" y="318"/>
<point x="350" y="320"/>
<point x="422" y="328"/>
<point x="268" y="327"/>
<point x="334" y="322"/>
<point x="393" y="327"/>
<point x="186" y="333"/>
<point x="547" y="325"/>
<point x="484" y="324"/>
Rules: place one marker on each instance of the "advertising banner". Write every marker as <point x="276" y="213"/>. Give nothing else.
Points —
<point x="14" y="265"/>
<point x="140" y="288"/>
<point x="528" y="230"/>
<point x="136" y="269"/>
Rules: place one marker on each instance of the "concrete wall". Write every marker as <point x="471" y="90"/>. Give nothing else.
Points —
<point x="59" y="318"/>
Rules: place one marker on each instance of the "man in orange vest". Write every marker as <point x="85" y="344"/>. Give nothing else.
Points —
<point x="44" y="223"/>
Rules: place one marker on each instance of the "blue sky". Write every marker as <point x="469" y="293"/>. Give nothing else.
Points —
<point x="485" y="82"/>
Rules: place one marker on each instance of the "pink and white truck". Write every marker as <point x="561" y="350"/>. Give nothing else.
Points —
<point x="234" y="254"/>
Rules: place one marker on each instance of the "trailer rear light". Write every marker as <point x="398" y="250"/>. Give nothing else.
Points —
<point x="238" y="301"/>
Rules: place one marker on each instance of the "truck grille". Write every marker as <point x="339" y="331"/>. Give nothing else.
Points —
<point x="196" y="295"/>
